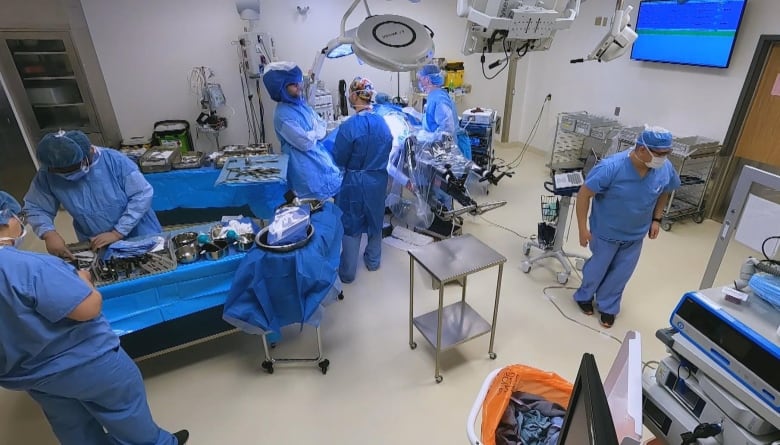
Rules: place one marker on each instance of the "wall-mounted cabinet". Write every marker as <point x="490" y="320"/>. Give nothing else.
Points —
<point x="45" y="77"/>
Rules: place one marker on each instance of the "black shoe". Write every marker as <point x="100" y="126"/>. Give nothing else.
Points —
<point x="181" y="436"/>
<point x="586" y="307"/>
<point x="607" y="320"/>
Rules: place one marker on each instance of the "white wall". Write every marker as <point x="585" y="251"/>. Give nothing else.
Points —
<point x="687" y="100"/>
<point x="146" y="49"/>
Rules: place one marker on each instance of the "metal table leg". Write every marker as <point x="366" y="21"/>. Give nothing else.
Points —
<point x="412" y="344"/>
<point x="463" y="291"/>
<point x="492" y="354"/>
<point x="437" y="376"/>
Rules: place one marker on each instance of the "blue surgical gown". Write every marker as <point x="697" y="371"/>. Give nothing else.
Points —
<point x="113" y="196"/>
<point x="622" y="209"/>
<point x="362" y="149"/>
<point x="37" y="292"/>
<point x="442" y="115"/>
<point x="310" y="169"/>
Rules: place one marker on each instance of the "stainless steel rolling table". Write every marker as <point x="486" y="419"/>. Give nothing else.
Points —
<point x="448" y="326"/>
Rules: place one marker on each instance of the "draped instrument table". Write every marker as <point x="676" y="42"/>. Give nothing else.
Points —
<point x="167" y="310"/>
<point x="178" y="191"/>
<point x="450" y="260"/>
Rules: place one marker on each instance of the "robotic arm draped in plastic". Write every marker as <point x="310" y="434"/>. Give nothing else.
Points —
<point x="509" y="26"/>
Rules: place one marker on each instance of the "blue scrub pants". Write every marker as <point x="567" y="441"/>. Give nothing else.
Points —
<point x="107" y="392"/>
<point x="350" y="250"/>
<point x="607" y="272"/>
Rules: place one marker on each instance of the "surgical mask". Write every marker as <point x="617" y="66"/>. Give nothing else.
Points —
<point x="78" y="174"/>
<point x="656" y="161"/>
<point x="18" y="240"/>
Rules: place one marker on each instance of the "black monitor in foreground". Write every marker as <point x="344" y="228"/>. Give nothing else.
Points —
<point x="588" y="420"/>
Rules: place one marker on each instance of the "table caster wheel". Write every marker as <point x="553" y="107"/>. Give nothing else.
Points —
<point x="492" y="355"/>
<point x="268" y="366"/>
<point x="439" y="379"/>
<point x="525" y="266"/>
<point x="324" y="366"/>
<point x="413" y="345"/>
<point x="579" y="263"/>
<point x="666" y="226"/>
<point x="563" y="278"/>
<point x="698" y="218"/>
<point x="341" y="296"/>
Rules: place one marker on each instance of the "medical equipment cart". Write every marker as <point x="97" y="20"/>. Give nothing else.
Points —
<point x="694" y="159"/>
<point x="479" y="125"/>
<point x="451" y="260"/>
<point x="580" y="136"/>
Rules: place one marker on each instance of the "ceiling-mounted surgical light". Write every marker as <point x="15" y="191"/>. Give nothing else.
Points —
<point x="387" y="42"/>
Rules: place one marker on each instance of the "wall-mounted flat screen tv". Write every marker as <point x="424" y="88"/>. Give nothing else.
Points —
<point x="688" y="32"/>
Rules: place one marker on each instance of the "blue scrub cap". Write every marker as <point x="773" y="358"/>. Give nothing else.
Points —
<point x="80" y="138"/>
<point x="433" y="73"/>
<point x="9" y="207"/>
<point x="655" y="138"/>
<point x="276" y="78"/>
<point x="57" y="150"/>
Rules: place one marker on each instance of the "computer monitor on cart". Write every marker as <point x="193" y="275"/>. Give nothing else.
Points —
<point x="588" y="420"/>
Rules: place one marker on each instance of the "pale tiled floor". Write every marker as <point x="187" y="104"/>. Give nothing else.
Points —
<point x="378" y="391"/>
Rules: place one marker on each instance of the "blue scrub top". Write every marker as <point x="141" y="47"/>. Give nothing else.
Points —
<point x="37" y="292"/>
<point x="624" y="203"/>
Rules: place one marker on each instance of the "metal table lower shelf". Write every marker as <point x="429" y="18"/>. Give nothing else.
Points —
<point x="460" y="323"/>
<point x="448" y="326"/>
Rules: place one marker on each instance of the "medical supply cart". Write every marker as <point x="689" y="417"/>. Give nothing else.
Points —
<point x="479" y="125"/>
<point x="694" y="159"/>
<point x="451" y="260"/>
<point x="582" y="139"/>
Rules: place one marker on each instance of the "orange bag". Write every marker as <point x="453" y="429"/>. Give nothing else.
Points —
<point x="516" y="378"/>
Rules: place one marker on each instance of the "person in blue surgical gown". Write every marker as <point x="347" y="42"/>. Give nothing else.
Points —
<point x="102" y="189"/>
<point x="310" y="171"/>
<point x="440" y="111"/>
<point x="362" y="149"/>
<point x="629" y="191"/>
<point x="56" y="346"/>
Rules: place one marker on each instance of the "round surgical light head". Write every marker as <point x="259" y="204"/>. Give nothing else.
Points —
<point x="393" y="43"/>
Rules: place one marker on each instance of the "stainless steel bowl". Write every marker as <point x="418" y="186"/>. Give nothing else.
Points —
<point x="215" y="250"/>
<point x="187" y="254"/>
<point x="185" y="239"/>
<point x="262" y="241"/>
<point x="245" y="242"/>
<point x="215" y="233"/>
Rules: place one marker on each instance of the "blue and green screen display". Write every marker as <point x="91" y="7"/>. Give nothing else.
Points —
<point x="692" y="32"/>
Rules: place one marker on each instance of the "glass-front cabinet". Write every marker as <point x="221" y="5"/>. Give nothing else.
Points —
<point x="44" y="75"/>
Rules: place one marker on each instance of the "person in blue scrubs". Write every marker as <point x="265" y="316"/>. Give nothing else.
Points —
<point x="362" y="150"/>
<point x="629" y="191"/>
<point x="310" y="169"/>
<point x="440" y="111"/>
<point x="56" y="346"/>
<point x="102" y="189"/>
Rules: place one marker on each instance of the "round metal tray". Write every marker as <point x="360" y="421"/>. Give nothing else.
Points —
<point x="262" y="241"/>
